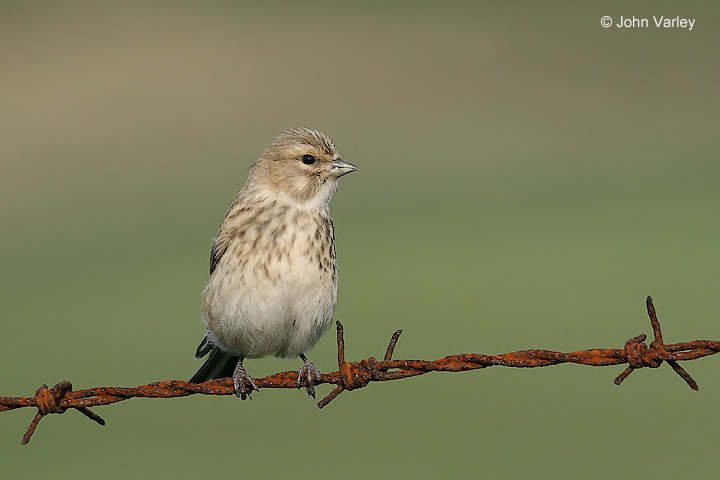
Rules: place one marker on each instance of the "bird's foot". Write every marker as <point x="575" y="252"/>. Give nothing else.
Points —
<point x="244" y="384"/>
<point x="307" y="376"/>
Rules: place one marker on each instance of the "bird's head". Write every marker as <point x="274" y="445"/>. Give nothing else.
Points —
<point x="301" y="165"/>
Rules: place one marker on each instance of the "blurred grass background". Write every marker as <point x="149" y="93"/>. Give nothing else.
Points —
<point x="526" y="178"/>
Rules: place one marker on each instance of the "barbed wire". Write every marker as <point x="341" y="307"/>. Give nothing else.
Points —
<point x="353" y="375"/>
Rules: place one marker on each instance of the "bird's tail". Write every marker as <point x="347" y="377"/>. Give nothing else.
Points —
<point x="218" y="365"/>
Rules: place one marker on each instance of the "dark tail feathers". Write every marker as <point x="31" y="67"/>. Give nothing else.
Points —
<point x="217" y="365"/>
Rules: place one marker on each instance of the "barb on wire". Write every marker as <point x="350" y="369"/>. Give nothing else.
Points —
<point x="353" y="375"/>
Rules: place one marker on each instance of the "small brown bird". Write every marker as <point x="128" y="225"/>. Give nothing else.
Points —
<point x="273" y="271"/>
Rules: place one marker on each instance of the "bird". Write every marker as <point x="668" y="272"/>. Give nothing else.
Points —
<point x="273" y="282"/>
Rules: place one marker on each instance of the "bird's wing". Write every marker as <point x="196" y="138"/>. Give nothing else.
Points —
<point x="205" y="346"/>
<point x="219" y="247"/>
<point x="222" y="240"/>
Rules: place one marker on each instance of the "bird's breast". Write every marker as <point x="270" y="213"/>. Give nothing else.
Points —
<point x="274" y="290"/>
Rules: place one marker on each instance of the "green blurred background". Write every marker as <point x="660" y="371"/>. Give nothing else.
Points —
<point x="526" y="177"/>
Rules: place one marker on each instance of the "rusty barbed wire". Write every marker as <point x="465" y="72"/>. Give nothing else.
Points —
<point x="353" y="375"/>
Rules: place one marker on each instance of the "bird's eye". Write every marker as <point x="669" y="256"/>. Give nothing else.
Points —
<point x="308" y="159"/>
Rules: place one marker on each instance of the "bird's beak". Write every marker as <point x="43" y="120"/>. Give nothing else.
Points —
<point x="340" y="167"/>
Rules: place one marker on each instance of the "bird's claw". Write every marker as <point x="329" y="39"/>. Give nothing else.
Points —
<point x="244" y="384"/>
<point x="307" y="376"/>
